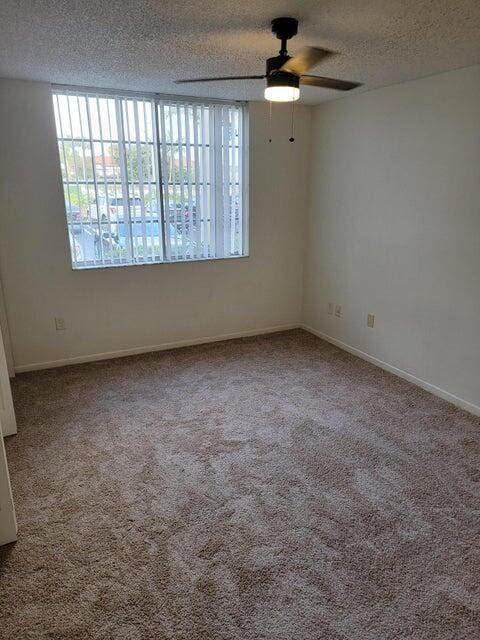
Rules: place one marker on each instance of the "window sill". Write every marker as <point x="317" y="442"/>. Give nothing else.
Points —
<point x="156" y="264"/>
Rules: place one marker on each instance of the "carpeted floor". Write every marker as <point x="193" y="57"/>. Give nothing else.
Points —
<point x="273" y="488"/>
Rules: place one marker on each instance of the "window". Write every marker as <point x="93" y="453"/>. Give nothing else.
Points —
<point x="148" y="179"/>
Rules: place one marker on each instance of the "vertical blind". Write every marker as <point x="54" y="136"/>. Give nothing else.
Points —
<point x="148" y="179"/>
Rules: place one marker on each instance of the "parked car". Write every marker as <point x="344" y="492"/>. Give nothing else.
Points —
<point x="74" y="217"/>
<point x="174" y="212"/>
<point x="188" y="218"/>
<point x="152" y="232"/>
<point x="114" y="208"/>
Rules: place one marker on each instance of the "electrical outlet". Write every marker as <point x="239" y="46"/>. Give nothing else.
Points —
<point x="60" y="324"/>
<point x="338" y="310"/>
<point x="330" y="309"/>
<point x="370" y="320"/>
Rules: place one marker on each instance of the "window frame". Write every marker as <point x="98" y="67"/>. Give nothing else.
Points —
<point x="158" y="98"/>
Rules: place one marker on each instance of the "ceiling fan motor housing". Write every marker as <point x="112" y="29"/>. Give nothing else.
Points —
<point x="275" y="63"/>
<point x="283" y="79"/>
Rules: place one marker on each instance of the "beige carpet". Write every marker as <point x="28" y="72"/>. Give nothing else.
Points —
<point x="272" y="488"/>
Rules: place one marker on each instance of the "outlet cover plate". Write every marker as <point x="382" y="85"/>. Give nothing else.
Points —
<point x="60" y="324"/>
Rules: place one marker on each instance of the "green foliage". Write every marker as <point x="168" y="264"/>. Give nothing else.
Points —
<point x="75" y="162"/>
<point x="135" y="161"/>
<point x="76" y="195"/>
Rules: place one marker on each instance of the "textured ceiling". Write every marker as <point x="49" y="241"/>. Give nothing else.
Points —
<point x="146" y="44"/>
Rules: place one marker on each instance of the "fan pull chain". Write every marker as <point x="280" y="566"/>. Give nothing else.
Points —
<point x="270" y="122"/>
<point x="292" y="138"/>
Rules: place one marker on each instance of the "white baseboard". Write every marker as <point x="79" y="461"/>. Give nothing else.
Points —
<point x="437" y="391"/>
<point x="109" y="355"/>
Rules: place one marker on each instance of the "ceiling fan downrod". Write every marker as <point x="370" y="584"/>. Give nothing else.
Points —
<point x="284" y="29"/>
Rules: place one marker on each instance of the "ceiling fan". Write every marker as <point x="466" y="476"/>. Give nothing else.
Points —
<point x="284" y="73"/>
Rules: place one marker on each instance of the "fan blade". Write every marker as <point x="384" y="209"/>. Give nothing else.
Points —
<point x="220" y="79"/>
<point x="305" y="59"/>
<point x="329" y="83"/>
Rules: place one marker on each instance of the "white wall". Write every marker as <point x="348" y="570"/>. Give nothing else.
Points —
<point x="394" y="228"/>
<point x="6" y="335"/>
<point x="8" y="421"/>
<point x="8" y="525"/>
<point x="133" y="307"/>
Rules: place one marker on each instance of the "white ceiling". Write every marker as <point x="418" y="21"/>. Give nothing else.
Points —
<point x="146" y="44"/>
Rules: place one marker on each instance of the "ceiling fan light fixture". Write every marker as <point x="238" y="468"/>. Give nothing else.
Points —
<point x="282" y="87"/>
<point x="282" y="94"/>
